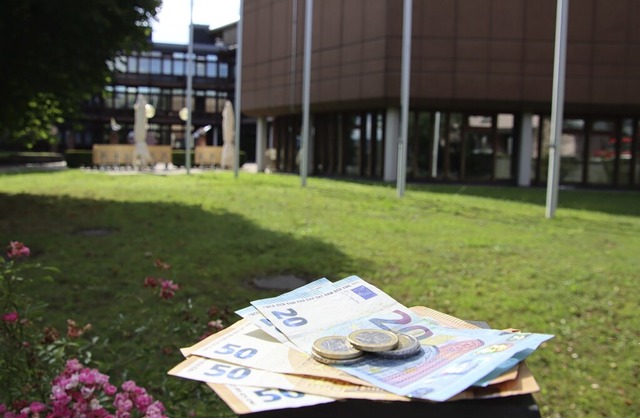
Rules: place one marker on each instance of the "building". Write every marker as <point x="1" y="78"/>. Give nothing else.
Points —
<point x="160" y="74"/>
<point x="480" y="96"/>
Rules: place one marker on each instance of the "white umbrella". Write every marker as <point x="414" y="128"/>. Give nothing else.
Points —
<point x="228" y="135"/>
<point x="142" y="156"/>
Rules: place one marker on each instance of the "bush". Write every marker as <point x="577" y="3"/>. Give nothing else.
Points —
<point x="43" y="373"/>
<point x="21" y="158"/>
<point x="78" y="158"/>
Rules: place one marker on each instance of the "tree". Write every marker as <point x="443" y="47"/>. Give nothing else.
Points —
<point x="55" y="54"/>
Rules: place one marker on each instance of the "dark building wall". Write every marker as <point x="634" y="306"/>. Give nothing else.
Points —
<point x="494" y="54"/>
<point x="348" y="61"/>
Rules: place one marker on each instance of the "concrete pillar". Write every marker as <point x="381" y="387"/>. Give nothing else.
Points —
<point x="526" y="150"/>
<point x="261" y="142"/>
<point x="391" y="136"/>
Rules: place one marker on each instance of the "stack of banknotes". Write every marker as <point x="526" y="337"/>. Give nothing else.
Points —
<point x="265" y="361"/>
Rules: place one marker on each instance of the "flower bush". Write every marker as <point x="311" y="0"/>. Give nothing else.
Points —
<point x="31" y="361"/>
<point x="82" y="392"/>
<point x="22" y="359"/>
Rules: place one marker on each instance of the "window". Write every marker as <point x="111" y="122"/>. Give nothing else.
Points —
<point x="132" y="64"/>
<point x="144" y="65"/>
<point x="166" y="65"/>
<point x="212" y="69"/>
<point x="178" y="67"/>
<point x="224" y="70"/>
<point x="200" y="69"/>
<point x="504" y="146"/>
<point x="156" y="65"/>
<point x="572" y="151"/>
<point x="120" y="97"/>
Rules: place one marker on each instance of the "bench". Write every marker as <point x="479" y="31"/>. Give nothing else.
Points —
<point x="208" y="155"/>
<point x="124" y="154"/>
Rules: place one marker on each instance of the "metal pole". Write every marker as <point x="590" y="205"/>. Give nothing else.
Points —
<point x="294" y="47"/>
<point x="436" y="145"/>
<point x="238" y="93"/>
<point x="188" y="128"/>
<point x="306" y="83"/>
<point x="404" y="97"/>
<point x="557" y="107"/>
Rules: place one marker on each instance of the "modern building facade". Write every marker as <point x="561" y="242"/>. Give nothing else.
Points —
<point x="480" y="89"/>
<point x="160" y="74"/>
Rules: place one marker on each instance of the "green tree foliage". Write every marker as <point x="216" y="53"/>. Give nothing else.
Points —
<point x="55" y="54"/>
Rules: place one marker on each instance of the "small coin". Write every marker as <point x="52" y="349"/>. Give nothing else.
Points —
<point x="408" y="346"/>
<point x="335" y="362"/>
<point x="373" y="340"/>
<point x="336" y="347"/>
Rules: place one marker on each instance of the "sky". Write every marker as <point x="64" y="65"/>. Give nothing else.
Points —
<point x="173" y="18"/>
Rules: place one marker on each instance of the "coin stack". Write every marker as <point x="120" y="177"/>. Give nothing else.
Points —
<point x="339" y="350"/>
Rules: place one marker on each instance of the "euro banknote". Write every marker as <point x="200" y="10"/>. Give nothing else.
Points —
<point x="451" y="359"/>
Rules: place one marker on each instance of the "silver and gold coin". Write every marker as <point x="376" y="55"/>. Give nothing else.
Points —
<point x="335" y="362"/>
<point x="408" y="346"/>
<point x="373" y="340"/>
<point x="335" y="347"/>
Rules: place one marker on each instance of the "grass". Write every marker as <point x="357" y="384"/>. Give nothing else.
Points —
<point x="484" y="253"/>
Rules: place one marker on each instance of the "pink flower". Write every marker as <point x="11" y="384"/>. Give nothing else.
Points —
<point x="123" y="403"/>
<point x="150" y="282"/>
<point x="129" y="386"/>
<point x="168" y="289"/>
<point x="11" y="317"/>
<point x="109" y="389"/>
<point x="73" y="365"/>
<point x="216" y="325"/>
<point x="17" y="249"/>
<point x="36" y="407"/>
<point x="79" y="392"/>
<point x="161" y="264"/>
<point x="155" y="410"/>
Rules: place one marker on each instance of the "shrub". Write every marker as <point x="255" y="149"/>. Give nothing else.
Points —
<point x="43" y="373"/>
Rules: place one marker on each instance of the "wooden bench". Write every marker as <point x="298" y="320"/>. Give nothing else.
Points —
<point x="124" y="154"/>
<point x="161" y="154"/>
<point x="208" y="155"/>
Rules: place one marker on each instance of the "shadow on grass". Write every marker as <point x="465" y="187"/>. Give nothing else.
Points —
<point x="614" y="202"/>
<point x="105" y="249"/>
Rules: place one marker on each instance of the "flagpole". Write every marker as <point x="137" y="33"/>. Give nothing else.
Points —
<point x="187" y="134"/>
<point x="238" y="93"/>
<point x="304" y="154"/>
<point x="404" y="97"/>
<point x="557" y="107"/>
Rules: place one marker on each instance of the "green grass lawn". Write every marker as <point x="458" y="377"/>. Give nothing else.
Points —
<point x="482" y="253"/>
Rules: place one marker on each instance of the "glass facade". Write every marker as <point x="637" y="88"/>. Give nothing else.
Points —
<point x="160" y="74"/>
<point x="471" y="147"/>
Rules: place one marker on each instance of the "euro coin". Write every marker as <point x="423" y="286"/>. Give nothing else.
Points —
<point x="408" y="346"/>
<point x="336" y="347"/>
<point x="335" y="362"/>
<point x="373" y="340"/>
